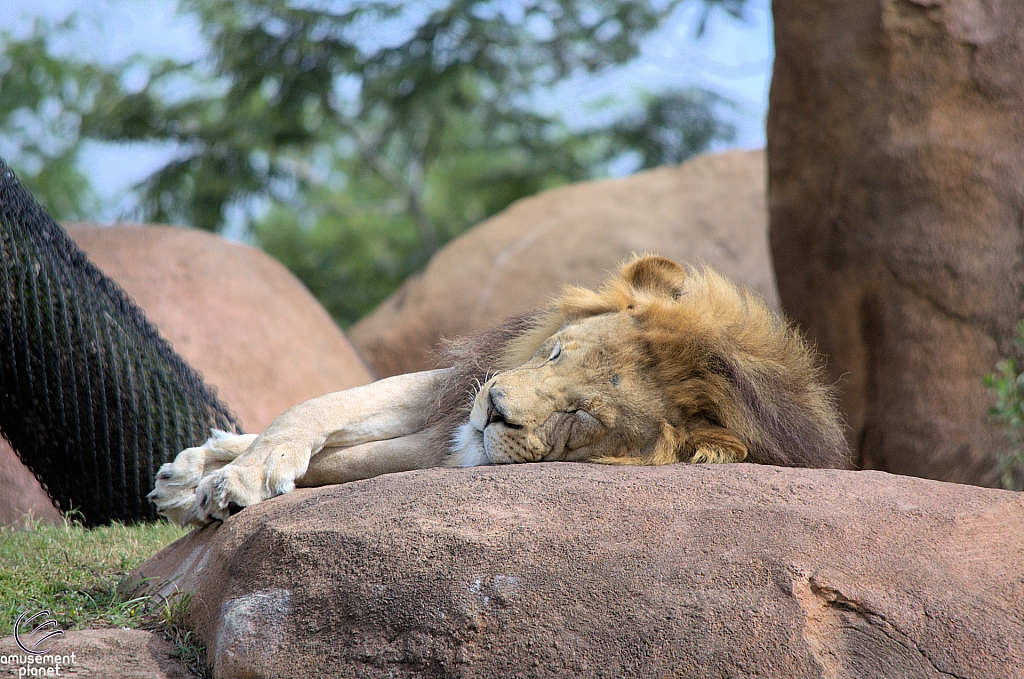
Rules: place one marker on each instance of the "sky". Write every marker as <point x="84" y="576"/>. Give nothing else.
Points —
<point x="734" y="59"/>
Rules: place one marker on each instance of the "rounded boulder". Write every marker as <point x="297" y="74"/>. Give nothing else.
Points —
<point x="233" y="312"/>
<point x="710" y="209"/>
<point x="561" y="569"/>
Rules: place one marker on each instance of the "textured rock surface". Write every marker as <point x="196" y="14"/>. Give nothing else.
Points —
<point x="711" y="208"/>
<point x="236" y="315"/>
<point x="896" y="191"/>
<point x="20" y="492"/>
<point x="561" y="569"/>
<point x="104" y="653"/>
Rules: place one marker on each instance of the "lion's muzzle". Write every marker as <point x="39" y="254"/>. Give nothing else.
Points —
<point x="498" y="411"/>
<point x="494" y="416"/>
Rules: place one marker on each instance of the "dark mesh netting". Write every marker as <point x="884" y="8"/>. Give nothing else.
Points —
<point x="91" y="397"/>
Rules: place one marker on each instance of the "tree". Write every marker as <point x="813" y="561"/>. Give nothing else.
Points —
<point x="41" y="103"/>
<point x="354" y="139"/>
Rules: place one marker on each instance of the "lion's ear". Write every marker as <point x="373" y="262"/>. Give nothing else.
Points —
<point x="655" y="275"/>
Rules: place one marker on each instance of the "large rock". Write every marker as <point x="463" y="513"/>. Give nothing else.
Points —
<point x="235" y="314"/>
<point x="711" y="208"/>
<point x="546" y="570"/>
<point x="896" y="187"/>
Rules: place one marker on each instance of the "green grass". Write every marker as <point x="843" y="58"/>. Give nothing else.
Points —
<point x="170" y="616"/>
<point x="74" y="572"/>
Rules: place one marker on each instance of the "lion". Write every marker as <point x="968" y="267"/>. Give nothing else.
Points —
<point x="662" y="365"/>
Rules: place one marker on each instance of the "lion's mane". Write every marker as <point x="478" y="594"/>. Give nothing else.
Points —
<point x="712" y="348"/>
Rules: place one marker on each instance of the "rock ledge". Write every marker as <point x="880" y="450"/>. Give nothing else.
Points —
<point x="549" y="570"/>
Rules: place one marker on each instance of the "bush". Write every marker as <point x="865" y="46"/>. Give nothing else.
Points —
<point x="1008" y="385"/>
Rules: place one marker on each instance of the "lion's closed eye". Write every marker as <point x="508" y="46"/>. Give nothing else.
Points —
<point x="556" y="351"/>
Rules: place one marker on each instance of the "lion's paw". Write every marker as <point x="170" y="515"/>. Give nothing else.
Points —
<point x="228" y="490"/>
<point x="267" y="469"/>
<point x="176" y="482"/>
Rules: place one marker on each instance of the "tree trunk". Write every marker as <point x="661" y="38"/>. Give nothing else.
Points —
<point x="896" y="195"/>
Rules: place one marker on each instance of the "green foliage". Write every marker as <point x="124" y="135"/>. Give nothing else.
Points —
<point x="351" y="140"/>
<point x="1007" y="383"/>
<point x="350" y="253"/>
<point x="42" y="100"/>
<point x="673" y="127"/>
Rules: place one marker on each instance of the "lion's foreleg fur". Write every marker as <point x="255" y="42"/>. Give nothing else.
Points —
<point x="343" y="423"/>
<point x="366" y="460"/>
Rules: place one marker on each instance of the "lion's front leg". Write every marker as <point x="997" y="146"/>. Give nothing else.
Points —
<point x="174" y="493"/>
<point x="388" y="409"/>
<point x="266" y="469"/>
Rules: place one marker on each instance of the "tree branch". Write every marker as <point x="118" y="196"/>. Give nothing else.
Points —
<point x="412" y="191"/>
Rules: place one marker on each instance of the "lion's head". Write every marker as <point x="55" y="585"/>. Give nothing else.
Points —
<point x="661" y="365"/>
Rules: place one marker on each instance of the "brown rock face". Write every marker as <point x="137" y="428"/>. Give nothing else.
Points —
<point x="896" y="191"/>
<point x="121" y="653"/>
<point x="711" y="208"/>
<point x="21" y="495"/>
<point x="235" y="314"/>
<point x="545" y="570"/>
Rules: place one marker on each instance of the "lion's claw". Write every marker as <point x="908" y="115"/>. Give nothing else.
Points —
<point x="178" y="482"/>
<point x="229" y="486"/>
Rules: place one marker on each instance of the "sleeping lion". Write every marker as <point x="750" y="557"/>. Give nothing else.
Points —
<point x="661" y="365"/>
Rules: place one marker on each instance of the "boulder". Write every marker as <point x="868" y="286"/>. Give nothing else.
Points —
<point x="21" y="495"/>
<point x="709" y="209"/>
<point x="121" y="653"/>
<point x="896" y="191"/>
<point x="560" y="569"/>
<point x="235" y="314"/>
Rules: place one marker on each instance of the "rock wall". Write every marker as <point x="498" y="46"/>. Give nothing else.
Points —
<point x="709" y="209"/>
<point x="576" y="570"/>
<point x="896" y="194"/>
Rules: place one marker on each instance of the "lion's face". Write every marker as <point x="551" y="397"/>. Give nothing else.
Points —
<point x="656" y="367"/>
<point x="583" y="396"/>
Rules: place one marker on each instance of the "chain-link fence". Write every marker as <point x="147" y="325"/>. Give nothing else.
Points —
<point x="92" y="399"/>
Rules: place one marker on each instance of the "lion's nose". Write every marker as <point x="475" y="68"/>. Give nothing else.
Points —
<point x="497" y="408"/>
